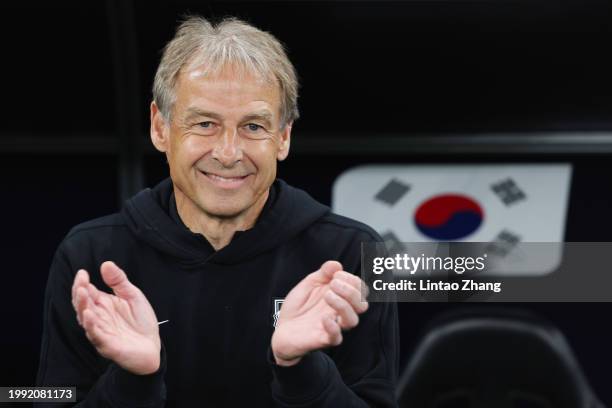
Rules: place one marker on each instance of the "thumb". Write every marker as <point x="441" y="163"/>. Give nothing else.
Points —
<point x="117" y="280"/>
<point x="329" y="268"/>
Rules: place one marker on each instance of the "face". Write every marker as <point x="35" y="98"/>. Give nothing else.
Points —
<point x="223" y="140"/>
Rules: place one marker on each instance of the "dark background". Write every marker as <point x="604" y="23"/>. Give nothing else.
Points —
<point x="401" y="82"/>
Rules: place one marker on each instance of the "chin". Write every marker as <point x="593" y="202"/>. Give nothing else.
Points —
<point x="224" y="210"/>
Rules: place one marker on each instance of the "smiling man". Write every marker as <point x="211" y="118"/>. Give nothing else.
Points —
<point x="222" y="285"/>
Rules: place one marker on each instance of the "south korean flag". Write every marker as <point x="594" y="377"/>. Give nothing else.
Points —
<point x="503" y="205"/>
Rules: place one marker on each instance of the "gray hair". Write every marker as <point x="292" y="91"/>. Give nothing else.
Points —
<point x="231" y="42"/>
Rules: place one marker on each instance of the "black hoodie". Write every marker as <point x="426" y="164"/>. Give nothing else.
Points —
<point x="220" y="306"/>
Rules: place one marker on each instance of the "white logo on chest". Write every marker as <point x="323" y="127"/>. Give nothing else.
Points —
<point x="277" y="307"/>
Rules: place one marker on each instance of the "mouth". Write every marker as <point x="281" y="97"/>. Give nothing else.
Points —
<point x="225" y="182"/>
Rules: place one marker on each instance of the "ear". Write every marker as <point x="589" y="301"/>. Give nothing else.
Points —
<point x="284" y="142"/>
<point x="159" y="129"/>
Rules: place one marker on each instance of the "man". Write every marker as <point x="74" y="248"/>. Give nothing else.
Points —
<point x="178" y="297"/>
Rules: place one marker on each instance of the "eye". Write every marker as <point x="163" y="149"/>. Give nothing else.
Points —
<point x="205" y="125"/>
<point x="254" y="127"/>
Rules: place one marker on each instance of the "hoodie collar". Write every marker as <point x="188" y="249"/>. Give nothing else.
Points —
<point x="287" y="212"/>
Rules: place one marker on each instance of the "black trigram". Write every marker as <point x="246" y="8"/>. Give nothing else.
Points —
<point x="392" y="243"/>
<point x="392" y="192"/>
<point x="508" y="191"/>
<point x="503" y="243"/>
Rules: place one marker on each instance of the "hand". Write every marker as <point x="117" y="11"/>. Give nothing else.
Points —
<point x="122" y="327"/>
<point x="316" y="311"/>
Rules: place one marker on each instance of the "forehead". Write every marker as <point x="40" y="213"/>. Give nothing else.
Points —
<point x="228" y="90"/>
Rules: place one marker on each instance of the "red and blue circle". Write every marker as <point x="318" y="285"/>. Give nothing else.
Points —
<point x="448" y="217"/>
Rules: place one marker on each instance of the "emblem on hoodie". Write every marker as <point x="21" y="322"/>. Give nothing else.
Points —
<point x="278" y="302"/>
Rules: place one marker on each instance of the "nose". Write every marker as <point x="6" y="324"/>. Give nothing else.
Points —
<point x="228" y="149"/>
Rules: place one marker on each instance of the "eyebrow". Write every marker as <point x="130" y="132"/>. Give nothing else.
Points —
<point x="194" y="112"/>
<point x="263" y="115"/>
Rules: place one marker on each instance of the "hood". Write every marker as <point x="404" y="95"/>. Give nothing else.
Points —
<point x="288" y="212"/>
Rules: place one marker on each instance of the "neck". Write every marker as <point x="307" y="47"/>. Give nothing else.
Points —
<point x="217" y="230"/>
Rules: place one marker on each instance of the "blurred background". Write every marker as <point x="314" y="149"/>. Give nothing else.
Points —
<point x="402" y="82"/>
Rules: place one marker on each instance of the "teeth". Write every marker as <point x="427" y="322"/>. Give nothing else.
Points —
<point x="219" y="178"/>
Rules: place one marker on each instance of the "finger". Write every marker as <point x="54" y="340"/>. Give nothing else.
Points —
<point x="348" y="317"/>
<point x="349" y="278"/>
<point x="328" y="269"/>
<point x="82" y="301"/>
<point x="354" y="281"/>
<point x="94" y="293"/>
<point x="333" y="331"/>
<point x="90" y="321"/>
<point x="105" y="301"/>
<point x="81" y="279"/>
<point x="350" y="294"/>
<point x="104" y="318"/>
<point x="86" y="302"/>
<point x="107" y="305"/>
<point x="94" y="319"/>
<point x="117" y="280"/>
